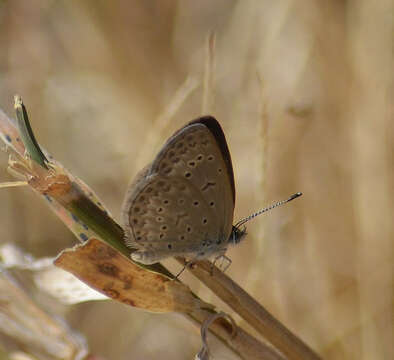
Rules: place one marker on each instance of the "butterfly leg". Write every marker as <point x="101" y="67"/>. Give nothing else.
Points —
<point x="229" y="262"/>
<point x="222" y="257"/>
<point x="187" y="264"/>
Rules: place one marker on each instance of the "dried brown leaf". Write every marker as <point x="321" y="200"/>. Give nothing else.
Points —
<point x="112" y="274"/>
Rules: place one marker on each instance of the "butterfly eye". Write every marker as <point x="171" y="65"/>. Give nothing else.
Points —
<point x="210" y="157"/>
<point x="188" y="175"/>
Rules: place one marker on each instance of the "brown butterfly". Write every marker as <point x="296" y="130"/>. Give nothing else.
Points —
<point x="182" y="204"/>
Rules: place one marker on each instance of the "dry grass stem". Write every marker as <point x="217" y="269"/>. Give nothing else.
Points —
<point x="252" y="312"/>
<point x="145" y="154"/>
<point x="208" y="99"/>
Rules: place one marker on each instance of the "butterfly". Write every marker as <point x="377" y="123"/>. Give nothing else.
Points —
<point x="182" y="204"/>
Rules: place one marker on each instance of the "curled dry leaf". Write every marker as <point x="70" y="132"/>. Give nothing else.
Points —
<point x="111" y="273"/>
<point x="204" y="353"/>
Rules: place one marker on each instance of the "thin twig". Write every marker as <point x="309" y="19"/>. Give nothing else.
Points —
<point x="8" y="184"/>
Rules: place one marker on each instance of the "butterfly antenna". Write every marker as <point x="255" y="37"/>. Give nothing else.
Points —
<point x="252" y="216"/>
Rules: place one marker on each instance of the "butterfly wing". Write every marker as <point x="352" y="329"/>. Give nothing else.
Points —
<point x="183" y="203"/>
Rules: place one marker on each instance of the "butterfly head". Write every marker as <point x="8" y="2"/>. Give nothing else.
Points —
<point x="237" y="234"/>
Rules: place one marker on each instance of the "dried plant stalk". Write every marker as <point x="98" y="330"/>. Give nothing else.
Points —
<point x="108" y="268"/>
<point x="251" y="311"/>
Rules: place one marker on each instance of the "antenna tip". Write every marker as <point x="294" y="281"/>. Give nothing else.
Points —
<point x="296" y="195"/>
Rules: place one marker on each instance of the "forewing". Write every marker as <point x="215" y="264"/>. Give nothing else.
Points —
<point x="185" y="200"/>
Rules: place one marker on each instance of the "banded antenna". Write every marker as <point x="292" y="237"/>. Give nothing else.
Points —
<point x="252" y="216"/>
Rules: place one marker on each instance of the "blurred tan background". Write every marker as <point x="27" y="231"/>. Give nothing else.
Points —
<point x="304" y="92"/>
